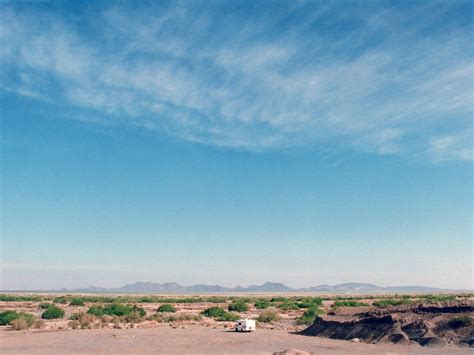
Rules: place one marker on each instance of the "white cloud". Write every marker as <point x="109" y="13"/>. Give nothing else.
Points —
<point x="206" y="80"/>
<point x="452" y="147"/>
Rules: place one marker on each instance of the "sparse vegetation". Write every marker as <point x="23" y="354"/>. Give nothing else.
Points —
<point x="61" y="300"/>
<point x="126" y="311"/>
<point x="288" y="305"/>
<point x="215" y="299"/>
<point x="439" y="298"/>
<point x="15" y="298"/>
<point x="134" y="317"/>
<point x="53" y="312"/>
<point x="97" y="311"/>
<point x="166" y="308"/>
<point x="220" y="314"/>
<point x="116" y="309"/>
<point x="82" y="320"/>
<point x="460" y="322"/>
<point x="279" y="299"/>
<point x="213" y="312"/>
<point x="141" y="311"/>
<point x="175" y="317"/>
<point x="348" y="304"/>
<point x="268" y="316"/>
<point x="309" y="316"/>
<point x="10" y="317"/>
<point x="19" y="324"/>
<point x="238" y="306"/>
<point x="391" y="302"/>
<point x="310" y="302"/>
<point x="262" y="304"/>
<point x="77" y="302"/>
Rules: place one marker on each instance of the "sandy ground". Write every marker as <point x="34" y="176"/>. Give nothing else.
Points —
<point x="190" y="340"/>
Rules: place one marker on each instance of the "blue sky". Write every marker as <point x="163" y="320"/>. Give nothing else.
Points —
<point x="323" y="141"/>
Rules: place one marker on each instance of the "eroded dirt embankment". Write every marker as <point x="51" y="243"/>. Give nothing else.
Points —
<point x="428" y="324"/>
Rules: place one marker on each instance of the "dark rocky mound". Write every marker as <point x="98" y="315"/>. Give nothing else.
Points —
<point x="370" y="330"/>
<point x="429" y="325"/>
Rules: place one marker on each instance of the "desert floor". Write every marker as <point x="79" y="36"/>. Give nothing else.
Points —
<point x="187" y="331"/>
<point x="189" y="340"/>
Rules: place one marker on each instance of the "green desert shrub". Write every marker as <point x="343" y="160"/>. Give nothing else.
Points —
<point x="77" y="302"/>
<point x="215" y="299"/>
<point x="97" y="311"/>
<point x="7" y="317"/>
<point x="268" y="316"/>
<point x="228" y="317"/>
<point x="262" y="304"/>
<point x="279" y="299"/>
<point x="288" y="305"/>
<point x="238" y="306"/>
<point x="145" y="299"/>
<point x="213" y="312"/>
<point x="439" y="298"/>
<point x="348" y="304"/>
<point x="16" y="298"/>
<point x="391" y="302"/>
<point x="53" y="312"/>
<point x="166" y="308"/>
<point x="460" y="322"/>
<point x="309" y="302"/>
<point x="45" y="305"/>
<point x="220" y="314"/>
<point x="309" y="316"/>
<point x="115" y="309"/>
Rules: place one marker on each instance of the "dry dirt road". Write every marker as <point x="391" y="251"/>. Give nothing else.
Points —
<point x="191" y="340"/>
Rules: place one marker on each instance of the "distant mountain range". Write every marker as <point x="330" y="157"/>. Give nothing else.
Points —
<point x="173" y="287"/>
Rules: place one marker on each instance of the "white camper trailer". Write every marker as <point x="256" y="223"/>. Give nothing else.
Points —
<point x="245" y="325"/>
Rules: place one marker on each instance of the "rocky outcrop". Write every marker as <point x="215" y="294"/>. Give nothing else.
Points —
<point x="429" y="325"/>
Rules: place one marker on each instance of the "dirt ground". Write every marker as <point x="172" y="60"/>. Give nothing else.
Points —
<point x="190" y="340"/>
<point x="191" y="332"/>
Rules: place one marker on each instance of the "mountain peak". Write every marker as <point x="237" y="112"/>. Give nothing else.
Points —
<point x="173" y="287"/>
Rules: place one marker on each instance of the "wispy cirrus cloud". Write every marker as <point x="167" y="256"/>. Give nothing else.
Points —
<point x="452" y="147"/>
<point x="382" y="79"/>
<point x="7" y="266"/>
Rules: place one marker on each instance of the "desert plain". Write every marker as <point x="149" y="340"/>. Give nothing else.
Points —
<point x="204" y="324"/>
